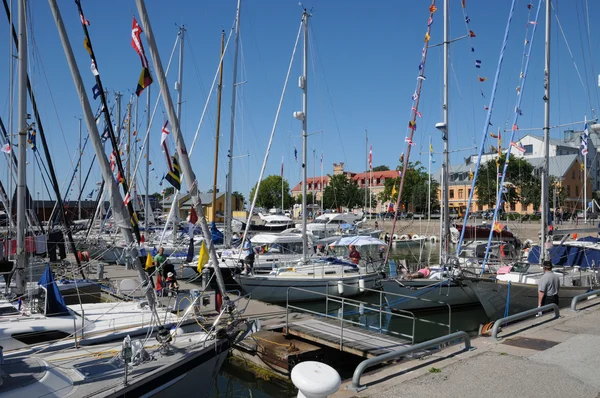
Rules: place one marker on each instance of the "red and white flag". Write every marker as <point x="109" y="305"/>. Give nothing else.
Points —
<point x="6" y="148"/>
<point x="409" y="141"/>
<point x="517" y="146"/>
<point x="127" y="199"/>
<point x="371" y="156"/>
<point x="113" y="161"/>
<point x="136" y="42"/>
<point x="165" y="133"/>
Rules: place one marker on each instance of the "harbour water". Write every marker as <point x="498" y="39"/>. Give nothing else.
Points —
<point x="236" y="381"/>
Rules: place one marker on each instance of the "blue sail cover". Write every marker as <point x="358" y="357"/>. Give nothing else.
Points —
<point x="568" y="256"/>
<point x="217" y="236"/>
<point x="55" y="305"/>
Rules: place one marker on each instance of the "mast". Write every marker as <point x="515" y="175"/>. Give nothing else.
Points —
<point x="119" y="211"/>
<point x="128" y="146"/>
<point x="22" y="129"/>
<point x="175" y="204"/>
<point x="220" y="92"/>
<point x="445" y="239"/>
<point x="186" y="168"/>
<point x="80" y="182"/>
<point x="147" y="204"/>
<point x="585" y="202"/>
<point x="314" y="179"/>
<point x="304" y="87"/>
<point x="366" y="167"/>
<point x="118" y="96"/>
<point x="229" y="190"/>
<point x="543" y="254"/>
<point x="429" y="182"/>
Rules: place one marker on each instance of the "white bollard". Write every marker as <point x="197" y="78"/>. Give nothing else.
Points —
<point x="340" y="285"/>
<point x="361" y="284"/>
<point x="315" y="379"/>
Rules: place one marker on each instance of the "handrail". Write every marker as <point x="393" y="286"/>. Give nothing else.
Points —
<point x="580" y="297"/>
<point x="367" y="363"/>
<point x="523" y="315"/>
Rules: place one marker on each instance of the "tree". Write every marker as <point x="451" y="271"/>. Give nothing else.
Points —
<point x="520" y="185"/>
<point x="342" y="192"/>
<point x="381" y="168"/>
<point x="309" y="198"/>
<point x="239" y="199"/>
<point x="269" y="195"/>
<point x="415" y="191"/>
<point x="168" y="191"/>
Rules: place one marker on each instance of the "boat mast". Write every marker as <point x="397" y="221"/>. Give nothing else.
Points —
<point x="175" y="203"/>
<point x="79" y="165"/>
<point x="445" y="239"/>
<point x="147" y="205"/>
<point x="366" y="168"/>
<point x="304" y="87"/>
<point x="229" y="190"/>
<point x="543" y="253"/>
<point x="186" y="167"/>
<point x="22" y="129"/>
<point x="429" y="182"/>
<point x="120" y="212"/>
<point x="218" y="134"/>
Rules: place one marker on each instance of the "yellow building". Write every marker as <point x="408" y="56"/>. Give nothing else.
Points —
<point x="566" y="168"/>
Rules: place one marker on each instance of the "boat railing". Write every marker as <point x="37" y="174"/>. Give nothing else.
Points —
<point x="385" y="303"/>
<point x="357" y="305"/>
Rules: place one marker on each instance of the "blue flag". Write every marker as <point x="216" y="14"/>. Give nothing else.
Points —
<point x="96" y="91"/>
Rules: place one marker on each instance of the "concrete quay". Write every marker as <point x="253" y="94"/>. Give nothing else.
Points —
<point x="539" y="357"/>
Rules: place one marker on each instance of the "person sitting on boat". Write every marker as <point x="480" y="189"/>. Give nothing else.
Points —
<point x="548" y="286"/>
<point x="172" y="282"/>
<point x="248" y="253"/>
<point x="354" y="254"/>
<point x="422" y="273"/>
<point x="321" y="251"/>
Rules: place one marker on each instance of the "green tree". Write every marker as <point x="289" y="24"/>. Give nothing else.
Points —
<point x="381" y="168"/>
<point x="168" y="191"/>
<point x="415" y="191"/>
<point x="342" y="192"/>
<point x="520" y="185"/>
<point x="269" y="195"/>
<point x="309" y="198"/>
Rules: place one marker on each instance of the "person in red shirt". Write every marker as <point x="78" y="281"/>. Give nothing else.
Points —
<point x="354" y="254"/>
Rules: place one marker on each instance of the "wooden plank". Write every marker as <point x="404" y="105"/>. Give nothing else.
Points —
<point x="361" y="342"/>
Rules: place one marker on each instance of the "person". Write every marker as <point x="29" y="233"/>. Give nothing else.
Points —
<point x="548" y="286"/>
<point x="387" y="238"/>
<point x="160" y="259"/>
<point x="376" y="225"/>
<point x="422" y="273"/>
<point x="321" y="251"/>
<point x="354" y="254"/>
<point x="167" y="268"/>
<point x="248" y="253"/>
<point x="172" y="282"/>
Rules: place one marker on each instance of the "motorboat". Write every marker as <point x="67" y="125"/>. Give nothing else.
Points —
<point x="329" y="224"/>
<point x="273" y="222"/>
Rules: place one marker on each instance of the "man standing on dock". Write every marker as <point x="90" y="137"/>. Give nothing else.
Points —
<point x="548" y="286"/>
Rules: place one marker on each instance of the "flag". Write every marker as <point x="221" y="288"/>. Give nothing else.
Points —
<point x="415" y="96"/>
<point x="174" y="176"/>
<point x="532" y="22"/>
<point x="419" y="114"/>
<point x="144" y="81"/>
<point x="464" y="3"/>
<point x="431" y="148"/>
<point x="136" y="42"/>
<point x="432" y="8"/>
<point x="321" y="159"/>
<point x="467" y="19"/>
<point x="6" y="148"/>
<point x="421" y="77"/>
<point x="482" y="79"/>
<point x="282" y="166"/>
<point x="127" y="199"/>
<point x="498" y="227"/>
<point x="87" y="45"/>
<point x="517" y="146"/>
<point x="83" y="20"/>
<point x="409" y="141"/>
<point x="296" y="154"/>
<point x="412" y="125"/>
<point x="429" y="21"/>
<point x="165" y="132"/>
<point x="113" y="161"/>
<point x="584" y="140"/>
<point x="161" y="180"/>
<point x="471" y="175"/>
<point x="148" y="261"/>
<point x="515" y="127"/>
<point x="91" y="194"/>
<point x="94" y="69"/>
<point x="32" y="140"/>
<point x="471" y="34"/>
<point x="371" y="157"/>
<point x="394" y="191"/>
<point x="202" y="258"/>
<point x="96" y="91"/>
<point x="427" y="37"/>
<point x="477" y="63"/>
<point x="530" y="6"/>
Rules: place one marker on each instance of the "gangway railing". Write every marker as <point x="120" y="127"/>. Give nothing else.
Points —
<point x="582" y="296"/>
<point x="523" y="315"/>
<point x="403" y="352"/>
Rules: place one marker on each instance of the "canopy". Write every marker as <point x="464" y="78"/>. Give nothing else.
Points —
<point x="357" y="241"/>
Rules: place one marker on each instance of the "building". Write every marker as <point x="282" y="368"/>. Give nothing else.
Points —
<point x="566" y="168"/>
<point x="184" y="204"/>
<point x="316" y="185"/>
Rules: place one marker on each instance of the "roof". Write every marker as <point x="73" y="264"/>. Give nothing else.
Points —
<point x="376" y="174"/>
<point x="310" y="180"/>
<point x="553" y="141"/>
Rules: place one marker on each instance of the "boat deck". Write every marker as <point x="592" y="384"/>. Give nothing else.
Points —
<point x="350" y="339"/>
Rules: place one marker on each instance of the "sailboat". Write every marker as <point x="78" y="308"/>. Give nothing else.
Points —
<point x="326" y="275"/>
<point x="137" y="369"/>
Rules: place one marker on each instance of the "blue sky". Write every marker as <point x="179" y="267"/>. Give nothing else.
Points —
<point x="363" y="65"/>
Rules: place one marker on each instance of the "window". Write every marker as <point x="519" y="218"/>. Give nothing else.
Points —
<point x="576" y="190"/>
<point x="378" y="181"/>
<point x="460" y="193"/>
<point x="528" y="149"/>
<point x="452" y="194"/>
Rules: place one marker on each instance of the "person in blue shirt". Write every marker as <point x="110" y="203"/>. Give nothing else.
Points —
<point x="248" y="252"/>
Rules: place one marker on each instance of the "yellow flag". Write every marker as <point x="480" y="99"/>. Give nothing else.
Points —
<point x="394" y="191"/>
<point x="148" y="261"/>
<point x="203" y="258"/>
<point x="427" y="37"/>
<point x="86" y="44"/>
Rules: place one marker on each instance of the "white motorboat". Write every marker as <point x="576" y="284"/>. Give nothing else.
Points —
<point x="329" y="224"/>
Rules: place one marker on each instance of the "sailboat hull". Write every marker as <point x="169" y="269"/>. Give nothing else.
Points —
<point x="275" y="290"/>
<point x="428" y="294"/>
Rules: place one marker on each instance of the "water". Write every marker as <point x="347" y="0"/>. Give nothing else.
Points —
<point x="236" y="381"/>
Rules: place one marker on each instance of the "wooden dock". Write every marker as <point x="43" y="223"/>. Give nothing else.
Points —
<point x="352" y="339"/>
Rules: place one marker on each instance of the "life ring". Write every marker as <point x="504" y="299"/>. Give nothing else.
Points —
<point x="395" y="237"/>
<point x="416" y="237"/>
<point x="432" y="239"/>
<point x="404" y="237"/>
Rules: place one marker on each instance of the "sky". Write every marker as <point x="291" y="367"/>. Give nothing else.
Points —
<point x="362" y="69"/>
